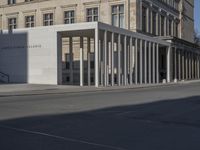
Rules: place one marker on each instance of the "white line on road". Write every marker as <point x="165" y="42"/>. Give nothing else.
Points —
<point x="61" y="138"/>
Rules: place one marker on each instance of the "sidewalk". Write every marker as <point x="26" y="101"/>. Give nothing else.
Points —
<point x="7" y="90"/>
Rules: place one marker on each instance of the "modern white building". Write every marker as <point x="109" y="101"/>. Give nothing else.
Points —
<point x="149" y="47"/>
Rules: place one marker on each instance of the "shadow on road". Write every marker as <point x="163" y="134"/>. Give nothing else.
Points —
<point x="164" y="125"/>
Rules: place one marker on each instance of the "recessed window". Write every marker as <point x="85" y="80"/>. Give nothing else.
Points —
<point x="154" y="22"/>
<point x="29" y="21"/>
<point x="92" y="14"/>
<point x="144" y="19"/>
<point x="12" y="23"/>
<point x="162" y="25"/>
<point x="118" y="16"/>
<point x="69" y="17"/>
<point x="11" y="2"/>
<point x="170" y="27"/>
<point x="48" y="19"/>
<point x="176" y="29"/>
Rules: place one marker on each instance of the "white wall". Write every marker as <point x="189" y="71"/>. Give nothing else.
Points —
<point x="30" y="56"/>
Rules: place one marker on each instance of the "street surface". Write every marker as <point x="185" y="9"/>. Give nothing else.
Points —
<point x="158" y="118"/>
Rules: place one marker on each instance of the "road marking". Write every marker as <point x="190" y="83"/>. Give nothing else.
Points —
<point x="62" y="138"/>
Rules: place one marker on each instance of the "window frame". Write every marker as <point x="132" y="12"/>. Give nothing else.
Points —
<point x="92" y="15"/>
<point x="69" y="18"/>
<point x="118" y="14"/>
<point x="30" y="22"/>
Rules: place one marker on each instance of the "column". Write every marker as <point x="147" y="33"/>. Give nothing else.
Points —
<point x="147" y="19"/>
<point x="192" y="59"/>
<point x="105" y="59"/>
<point x="71" y="59"/>
<point x="150" y="63"/>
<point x="186" y="65"/>
<point x="96" y="57"/>
<point x="131" y="61"/>
<point x="175" y="65"/>
<point x="190" y="66"/>
<point x="125" y="60"/>
<point x="157" y="63"/>
<point x="145" y="62"/>
<point x="172" y="30"/>
<point x="112" y="59"/>
<point x="195" y="66"/>
<point x="100" y="62"/>
<point x="153" y="69"/>
<point x="183" y="65"/>
<point x="136" y="61"/>
<point x="141" y="62"/>
<point x="198" y="66"/>
<point x="168" y="64"/>
<point x="165" y="27"/>
<point x="81" y="62"/>
<point x="88" y="61"/>
<point x="179" y="65"/>
<point x="119" y="60"/>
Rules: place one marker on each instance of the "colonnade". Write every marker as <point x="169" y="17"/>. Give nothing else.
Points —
<point x="155" y="26"/>
<point x="186" y="64"/>
<point x="119" y="59"/>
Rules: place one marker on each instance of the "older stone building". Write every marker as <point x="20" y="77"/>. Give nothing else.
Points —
<point x="139" y="41"/>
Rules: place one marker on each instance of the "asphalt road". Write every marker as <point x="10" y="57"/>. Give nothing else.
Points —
<point x="163" y="118"/>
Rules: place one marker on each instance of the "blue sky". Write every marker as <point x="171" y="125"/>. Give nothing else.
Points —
<point x="197" y="14"/>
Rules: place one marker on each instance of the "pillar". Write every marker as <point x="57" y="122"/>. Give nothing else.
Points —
<point x="71" y="59"/>
<point x="175" y="65"/>
<point x="190" y="66"/>
<point x="96" y="57"/>
<point x="168" y="64"/>
<point x="119" y="60"/>
<point x="131" y="61"/>
<point x="136" y="61"/>
<point x="153" y="64"/>
<point x="81" y="62"/>
<point x="112" y="59"/>
<point x="183" y="65"/>
<point x="88" y="61"/>
<point x="179" y="65"/>
<point x="198" y="67"/>
<point x="125" y="60"/>
<point x="150" y="65"/>
<point x="186" y="65"/>
<point x="157" y="63"/>
<point x="141" y="62"/>
<point x="105" y="59"/>
<point x="145" y="62"/>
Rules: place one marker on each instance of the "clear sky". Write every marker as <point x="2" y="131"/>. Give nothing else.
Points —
<point x="197" y="15"/>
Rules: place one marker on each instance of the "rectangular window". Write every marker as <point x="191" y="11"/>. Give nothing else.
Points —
<point x="144" y="19"/>
<point x="29" y="21"/>
<point x="154" y="22"/>
<point x="92" y="14"/>
<point x="176" y="29"/>
<point x="162" y="25"/>
<point x="48" y="19"/>
<point x="69" y="17"/>
<point x="170" y="27"/>
<point x="11" y="2"/>
<point x="12" y="23"/>
<point x="118" y="18"/>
